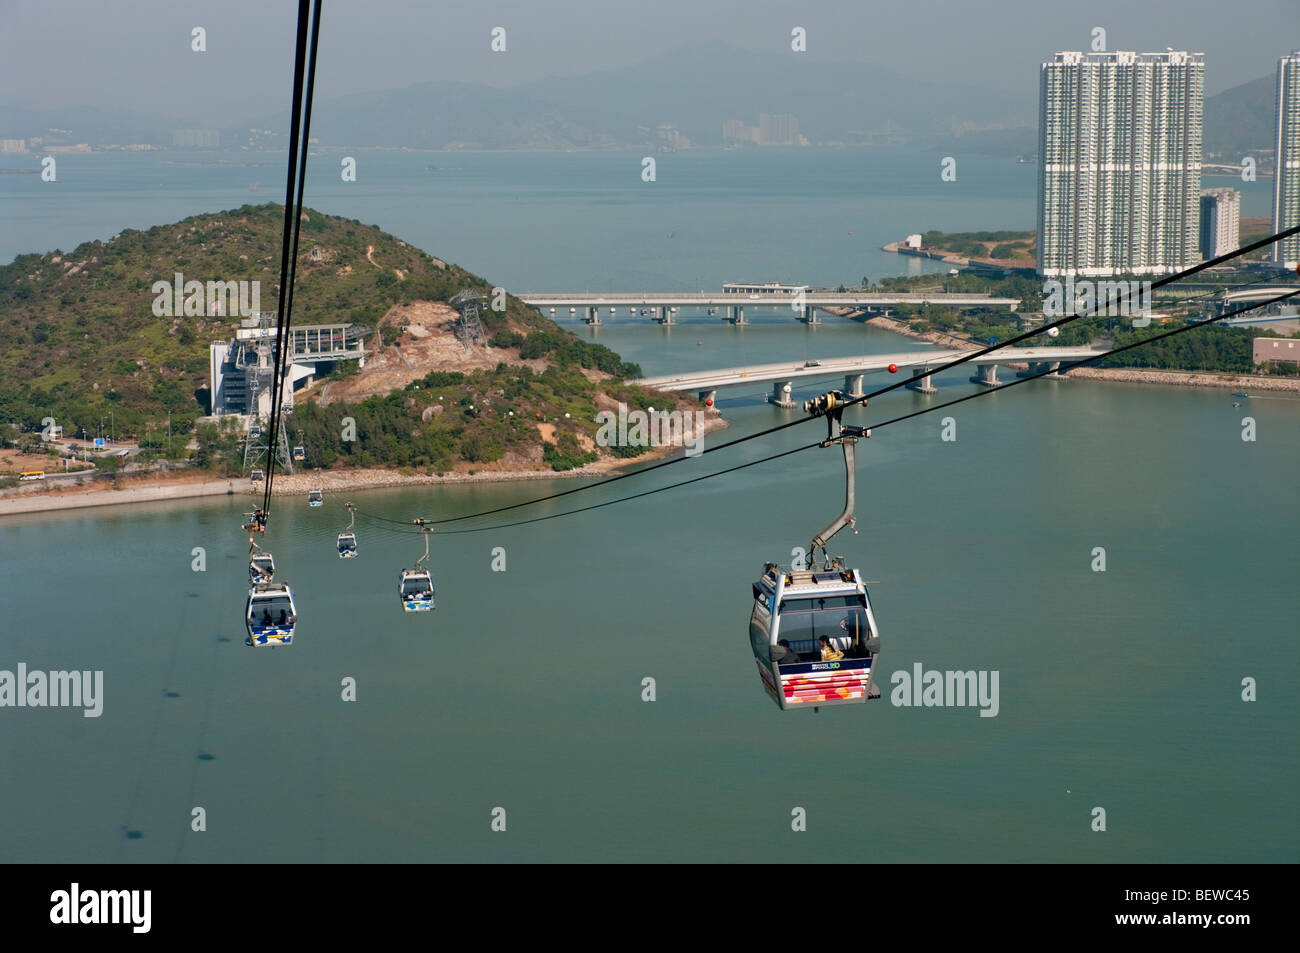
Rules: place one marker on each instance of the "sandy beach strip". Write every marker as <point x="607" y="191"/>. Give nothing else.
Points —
<point x="329" y="481"/>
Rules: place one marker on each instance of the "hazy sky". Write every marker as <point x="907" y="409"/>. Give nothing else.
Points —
<point x="136" y="53"/>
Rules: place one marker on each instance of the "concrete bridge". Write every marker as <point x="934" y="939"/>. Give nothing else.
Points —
<point x="1262" y="293"/>
<point x="662" y="306"/>
<point x="920" y="364"/>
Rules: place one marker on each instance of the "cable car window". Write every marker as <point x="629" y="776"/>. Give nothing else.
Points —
<point x="272" y="606"/>
<point x="414" y="586"/>
<point x="823" y="602"/>
<point x="840" y="618"/>
<point x="760" y="622"/>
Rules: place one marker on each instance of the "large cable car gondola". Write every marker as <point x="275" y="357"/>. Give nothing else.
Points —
<point x="270" y="615"/>
<point x="347" y="543"/>
<point x="416" y="585"/>
<point x="315" y="498"/>
<point x="812" y="630"/>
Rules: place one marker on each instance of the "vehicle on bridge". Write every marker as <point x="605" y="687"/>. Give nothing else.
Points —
<point x="811" y="630"/>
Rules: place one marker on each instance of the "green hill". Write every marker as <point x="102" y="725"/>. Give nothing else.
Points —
<point x="83" y="341"/>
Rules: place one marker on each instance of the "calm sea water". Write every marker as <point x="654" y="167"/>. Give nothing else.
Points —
<point x="1118" y="689"/>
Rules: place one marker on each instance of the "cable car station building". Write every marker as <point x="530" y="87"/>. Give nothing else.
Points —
<point x="240" y="369"/>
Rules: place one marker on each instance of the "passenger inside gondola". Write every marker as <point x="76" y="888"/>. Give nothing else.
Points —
<point x="840" y="620"/>
<point x="783" y="654"/>
<point x="276" y="612"/>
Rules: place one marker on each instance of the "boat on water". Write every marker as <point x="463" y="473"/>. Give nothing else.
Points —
<point x="1241" y="394"/>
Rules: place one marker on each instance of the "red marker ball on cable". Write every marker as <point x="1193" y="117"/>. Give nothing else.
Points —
<point x="893" y="368"/>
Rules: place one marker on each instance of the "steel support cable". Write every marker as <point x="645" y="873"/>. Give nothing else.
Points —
<point x="303" y="83"/>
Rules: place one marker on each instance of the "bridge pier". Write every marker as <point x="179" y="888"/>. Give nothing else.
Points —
<point x="1038" y="367"/>
<point x="665" y="315"/>
<point x="736" y="314"/>
<point x="808" y="315"/>
<point x="920" y="381"/>
<point x="987" y="376"/>
<point x="853" y="385"/>
<point x="593" y="316"/>
<point x="781" y="394"/>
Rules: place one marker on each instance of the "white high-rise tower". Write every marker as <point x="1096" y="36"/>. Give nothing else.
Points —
<point x="1120" y="150"/>
<point x="1286" y="180"/>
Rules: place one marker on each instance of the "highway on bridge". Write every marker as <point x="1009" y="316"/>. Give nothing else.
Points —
<point x="919" y="363"/>
<point x="812" y="299"/>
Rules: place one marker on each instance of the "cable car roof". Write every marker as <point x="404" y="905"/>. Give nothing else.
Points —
<point x="270" y="589"/>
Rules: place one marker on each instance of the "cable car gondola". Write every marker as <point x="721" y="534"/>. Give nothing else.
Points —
<point x="415" y="586"/>
<point x="270" y="615"/>
<point x="315" y="498"/>
<point x="347" y="543"/>
<point x="299" y="452"/>
<point x="261" y="567"/>
<point x="812" y="630"/>
<point x="257" y="476"/>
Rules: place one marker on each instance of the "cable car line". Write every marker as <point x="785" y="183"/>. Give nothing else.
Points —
<point x="1167" y="280"/>
<point x="303" y="79"/>
<point x="270" y="614"/>
<point x="979" y="393"/>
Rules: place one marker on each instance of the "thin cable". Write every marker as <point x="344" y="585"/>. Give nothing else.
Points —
<point x="918" y="413"/>
<point x="304" y="77"/>
<point x="621" y="499"/>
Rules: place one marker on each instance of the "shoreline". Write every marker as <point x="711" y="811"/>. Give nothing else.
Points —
<point x="185" y="487"/>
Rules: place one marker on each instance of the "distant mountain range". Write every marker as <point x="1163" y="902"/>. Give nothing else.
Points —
<point x="1240" y="120"/>
<point x="694" y="90"/>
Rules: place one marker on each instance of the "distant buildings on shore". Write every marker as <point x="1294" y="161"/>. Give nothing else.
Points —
<point x="196" y="138"/>
<point x="1286" y="180"/>
<point x="772" y="130"/>
<point x="1120" y="149"/>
